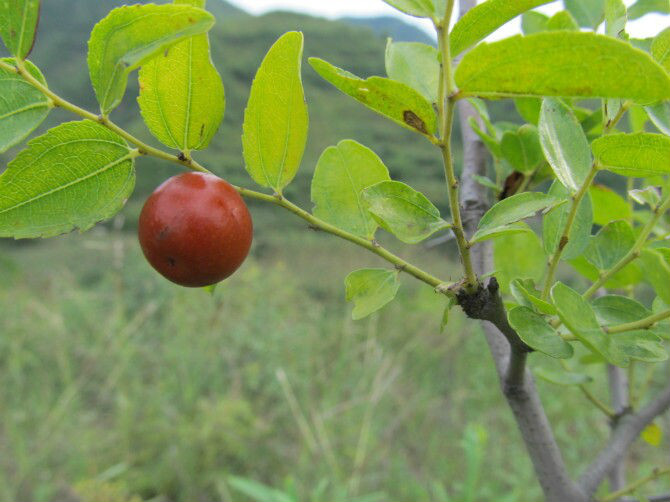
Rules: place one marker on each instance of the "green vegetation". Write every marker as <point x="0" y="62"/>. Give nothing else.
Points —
<point x="118" y="386"/>
<point x="113" y="375"/>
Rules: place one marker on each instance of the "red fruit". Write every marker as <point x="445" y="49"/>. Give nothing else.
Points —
<point x="195" y="229"/>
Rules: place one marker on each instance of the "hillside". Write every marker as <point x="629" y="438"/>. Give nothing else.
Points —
<point x="239" y="42"/>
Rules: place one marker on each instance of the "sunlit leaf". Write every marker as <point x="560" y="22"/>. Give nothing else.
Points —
<point x="130" y="36"/>
<point x="276" y="120"/>
<point x="562" y="63"/>
<point x="74" y="176"/>
<point x="181" y="94"/>
<point x="637" y="155"/>
<point x="485" y="18"/>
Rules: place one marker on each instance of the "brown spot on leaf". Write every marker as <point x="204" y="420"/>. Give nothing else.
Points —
<point x="413" y="120"/>
<point x="202" y="130"/>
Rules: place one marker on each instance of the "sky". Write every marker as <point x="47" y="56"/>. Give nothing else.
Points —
<point x="641" y="28"/>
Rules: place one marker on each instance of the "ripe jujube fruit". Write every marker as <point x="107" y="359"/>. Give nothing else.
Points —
<point x="195" y="229"/>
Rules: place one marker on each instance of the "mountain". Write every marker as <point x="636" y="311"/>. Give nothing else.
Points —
<point x="239" y="42"/>
<point x="392" y="27"/>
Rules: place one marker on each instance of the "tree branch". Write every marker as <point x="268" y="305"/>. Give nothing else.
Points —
<point x="618" y="383"/>
<point x="627" y="430"/>
<point x="522" y="398"/>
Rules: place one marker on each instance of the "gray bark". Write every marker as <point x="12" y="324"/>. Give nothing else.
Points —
<point x="626" y="431"/>
<point x="618" y="383"/>
<point x="518" y="385"/>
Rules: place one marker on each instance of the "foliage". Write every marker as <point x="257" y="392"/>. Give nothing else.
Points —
<point x="567" y="83"/>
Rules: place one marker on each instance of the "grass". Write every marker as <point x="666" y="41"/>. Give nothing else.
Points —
<point x="116" y="384"/>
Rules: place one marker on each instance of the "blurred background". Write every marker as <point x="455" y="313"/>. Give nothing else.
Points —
<point x="117" y="386"/>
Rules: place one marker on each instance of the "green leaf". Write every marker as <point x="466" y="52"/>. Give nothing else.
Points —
<point x="580" y="319"/>
<point x="525" y="292"/>
<point x="659" y="114"/>
<point x="562" y="20"/>
<point x="416" y="65"/>
<point x="371" y="289"/>
<point x="612" y="310"/>
<point x="394" y="100"/>
<point x="22" y="107"/>
<point x="608" y="205"/>
<point x="643" y="7"/>
<point x="513" y="209"/>
<point x="562" y="63"/>
<point x="660" y="49"/>
<point x="656" y="270"/>
<point x="555" y="220"/>
<point x="538" y="334"/>
<point x="564" y="143"/>
<point x="131" y="35"/>
<point x="402" y="211"/>
<point x="341" y="174"/>
<point x="420" y="8"/>
<point x="181" y="94"/>
<point x="610" y="245"/>
<point x="643" y="346"/>
<point x="637" y="155"/>
<point x="529" y="109"/>
<point x="627" y="276"/>
<point x="485" y="18"/>
<point x="533" y="22"/>
<point x="522" y="149"/>
<point x="276" y="120"/>
<point x="615" y="18"/>
<point x="18" y="23"/>
<point x="562" y="378"/>
<point x="74" y="176"/>
<point x="508" y="266"/>
<point x="649" y="195"/>
<point x="588" y="13"/>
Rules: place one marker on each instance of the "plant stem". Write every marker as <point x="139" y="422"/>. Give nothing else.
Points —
<point x="633" y="253"/>
<point x="186" y="161"/>
<point x="144" y="148"/>
<point x="565" y="236"/>
<point x="656" y="473"/>
<point x="645" y="323"/>
<point x="446" y="108"/>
